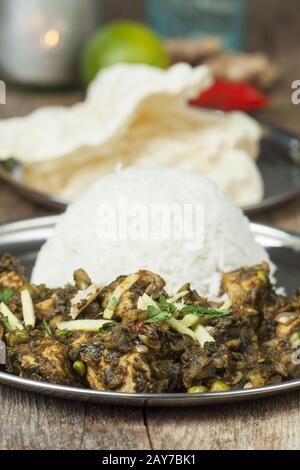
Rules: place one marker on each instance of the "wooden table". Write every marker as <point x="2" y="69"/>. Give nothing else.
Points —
<point x="29" y="421"/>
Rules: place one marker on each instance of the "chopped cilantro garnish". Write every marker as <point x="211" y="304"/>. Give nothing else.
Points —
<point x="61" y="333"/>
<point x="48" y="328"/>
<point x="202" y="311"/>
<point x="158" y="316"/>
<point x="6" y="294"/>
<point x="106" y="326"/>
<point x="165" y="306"/>
<point x="6" y="324"/>
<point x="161" y="311"/>
<point x="112" y="303"/>
<point x="164" y="310"/>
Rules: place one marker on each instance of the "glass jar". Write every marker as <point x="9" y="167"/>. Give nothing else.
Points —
<point x="198" y="18"/>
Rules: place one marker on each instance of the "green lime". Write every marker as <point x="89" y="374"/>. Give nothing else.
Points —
<point x="122" y="41"/>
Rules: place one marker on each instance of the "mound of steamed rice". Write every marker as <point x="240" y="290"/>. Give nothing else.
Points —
<point x="228" y="242"/>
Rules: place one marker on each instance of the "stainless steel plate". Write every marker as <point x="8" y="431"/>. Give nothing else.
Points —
<point x="23" y="239"/>
<point x="279" y="163"/>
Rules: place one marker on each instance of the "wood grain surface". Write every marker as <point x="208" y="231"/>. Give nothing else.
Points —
<point x="263" y="424"/>
<point x="29" y="421"/>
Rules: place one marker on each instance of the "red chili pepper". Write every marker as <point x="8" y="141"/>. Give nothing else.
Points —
<point x="231" y="96"/>
<point x="138" y="326"/>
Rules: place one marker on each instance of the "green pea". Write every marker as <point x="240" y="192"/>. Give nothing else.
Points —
<point x="18" y="337"/>
<point x="80" y="368"/>
<point x="197" y="389"/>
<point x="262" y="276"/>
<point x="219" y="386"/>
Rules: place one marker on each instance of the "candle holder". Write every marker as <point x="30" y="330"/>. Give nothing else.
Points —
<point x="41" y="40"/>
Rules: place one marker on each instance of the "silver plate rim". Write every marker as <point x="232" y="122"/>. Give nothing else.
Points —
<point x="42" y="225"/>
<point x="157" y="399"/>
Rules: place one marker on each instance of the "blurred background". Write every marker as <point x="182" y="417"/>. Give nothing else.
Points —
<point x="270" y="27"/>
<point x="51" y="49"/>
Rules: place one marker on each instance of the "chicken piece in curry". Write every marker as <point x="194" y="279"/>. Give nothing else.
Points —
<point x="131" y="336"/>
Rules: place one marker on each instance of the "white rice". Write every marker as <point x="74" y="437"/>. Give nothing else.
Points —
<point x="228" y="243"/>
